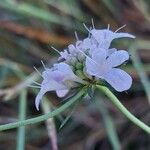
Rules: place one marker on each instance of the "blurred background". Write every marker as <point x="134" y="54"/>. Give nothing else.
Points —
<point x="28" y="29"/>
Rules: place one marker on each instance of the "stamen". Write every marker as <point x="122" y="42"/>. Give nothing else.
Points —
<point x="76" y="36"/>
<point x="34" y="86"/>
<point x="37" y="71"/>
<point x="43" y="64"/>
<point x="93" y="23"/>
<point x="120" y="28"/>
<point x="86" y="27"/>
<point x="55" y="49"/>
<point x="37" y="83"/>
<point x="86" y="55"/>
<point x="108" y="27"/>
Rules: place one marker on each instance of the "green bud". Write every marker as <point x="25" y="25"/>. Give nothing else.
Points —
<point x="80" y="74"/>
<point x="79" y="66"/>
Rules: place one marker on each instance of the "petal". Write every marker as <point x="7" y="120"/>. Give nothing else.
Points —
<point x="99" y="55"/>
<point x="66" y="71"/>
<point x="39" y="97"/>
<point x="48" y="84"/>
<point x="122" y="35"/>
<point x="118" y="79"/>
<point x="117" y="58"/>
<point x="61" y="93"/>
<point x="63" y="55"/>
<point x="92" y="68"/>
<point x="96" y="66"/>
<point x="105" y="37"/>
<point x="110" y="51"/>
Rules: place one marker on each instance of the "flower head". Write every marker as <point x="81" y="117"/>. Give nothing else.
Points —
<point x="60" y="79"/>
<point x="104" y="67"/>
<point x="105" y="37"/>
<point x="86" y="62"/>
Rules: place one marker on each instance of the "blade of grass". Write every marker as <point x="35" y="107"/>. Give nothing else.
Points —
<point x="108" y="124"/>
<point x="33" y="11"/>
<point x="50" y="125"/>
<point x="22" y="116"/>
<point x="41" y="118"/>
<point x="140" y="69"/>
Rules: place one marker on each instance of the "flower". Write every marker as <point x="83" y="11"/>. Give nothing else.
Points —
<point x="103" y="66"/>
<point x="105" y="37"/>
<point x="60" y="79"/>
<point x="86" y="62"/>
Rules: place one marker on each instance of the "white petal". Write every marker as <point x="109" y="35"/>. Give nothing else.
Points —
<point x="117" y="58"/>
<point x="61" y="93"/>
<point x="118" y="79"/>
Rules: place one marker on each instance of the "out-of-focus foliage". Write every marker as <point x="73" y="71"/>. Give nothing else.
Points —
<point x="28" y="29"/>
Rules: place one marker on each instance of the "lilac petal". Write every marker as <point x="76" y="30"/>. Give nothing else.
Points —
<point x="92" y="67"/>
<point x="117" y="58"/>
<point x="122" y="35"/>
<point x="67" y="72"/>
<point x="105" y="37"/>
<point x="72" y="49"/>
<point x="61" y="93"/>
<point x="63" y="55"/>
<point x="39" y="97"/>
<point x="118" y="79"/>
<point x="95" y="69"/>
<point x="99" y="56"/>
<point x="46" y="86"/>
<point x="96" y="66"/>
<point x="110" y="51"/>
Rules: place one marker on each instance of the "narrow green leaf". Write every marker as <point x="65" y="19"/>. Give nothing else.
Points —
<point x="56" y="112"/>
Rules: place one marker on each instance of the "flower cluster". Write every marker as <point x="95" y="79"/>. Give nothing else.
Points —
<point x="87" y="61"/>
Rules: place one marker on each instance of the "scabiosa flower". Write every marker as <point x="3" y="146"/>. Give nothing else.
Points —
<point x="104" y="67"/>
<point x="59" y="78"/>
<point x="87" y="62"/>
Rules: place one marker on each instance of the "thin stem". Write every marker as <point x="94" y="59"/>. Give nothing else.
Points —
<point x="46" y="116"/>
<point x="122" y="108"/>
<point x="22" y="114"/>
<point x="109" y="124"/>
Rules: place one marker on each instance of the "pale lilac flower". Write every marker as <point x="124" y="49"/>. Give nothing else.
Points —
<point x="102" y="66"/>
<point x="60" y="79"/>
<point x="105" y="37"/>
<point x="87" y="58"/>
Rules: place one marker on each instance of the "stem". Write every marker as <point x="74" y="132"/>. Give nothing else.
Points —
<point x="22" y="114"/>
<point x="120" y="106"/>
<point x="109" y="125"/>
<point x="46" y="116"/>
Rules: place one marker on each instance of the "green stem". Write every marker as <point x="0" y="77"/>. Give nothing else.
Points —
<point x="22" y="115"/>
<point x="120" y="106"/>
<point x="109" y="125"/>
<point x="46" y="116"/>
